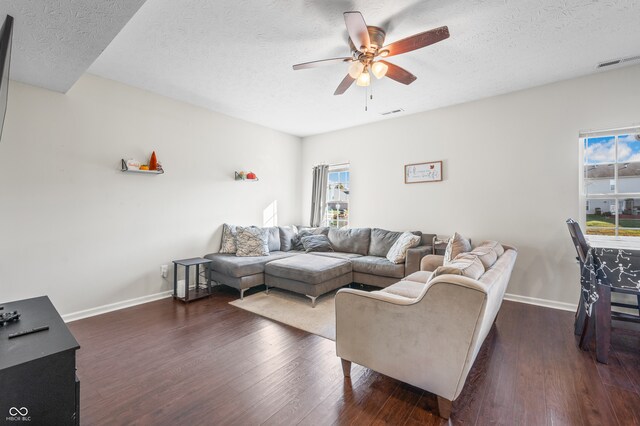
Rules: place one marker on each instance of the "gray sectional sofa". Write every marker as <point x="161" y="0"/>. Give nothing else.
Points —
<point x="359" y="256"/>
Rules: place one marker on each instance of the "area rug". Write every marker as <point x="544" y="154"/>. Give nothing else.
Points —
<point x="294" y="310"/>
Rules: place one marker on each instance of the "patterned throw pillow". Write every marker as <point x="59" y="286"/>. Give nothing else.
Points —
<point x="398" y="251"/>
<point x="251" y="241"/>
<point x="228" y="244"/>
<point x="457" y="244"/>
<point x="316" y="243"/>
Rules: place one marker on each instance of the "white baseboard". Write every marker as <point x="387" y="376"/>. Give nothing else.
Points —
<point x="541" y="302"/>
<point x="74" y="316"/>
<point x="115" y="306"/>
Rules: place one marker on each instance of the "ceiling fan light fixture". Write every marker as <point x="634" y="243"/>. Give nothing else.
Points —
<point x="355" y="69"/>
<point x="379" y="69"/>
<point x="364" y="79"/>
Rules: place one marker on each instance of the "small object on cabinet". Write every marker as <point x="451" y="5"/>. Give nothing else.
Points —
<point x="8" y="317"/>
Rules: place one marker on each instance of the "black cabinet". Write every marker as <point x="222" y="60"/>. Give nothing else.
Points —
<point x="38" y="383"/>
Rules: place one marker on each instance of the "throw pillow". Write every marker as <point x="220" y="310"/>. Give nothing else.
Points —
<point x="251" y="241"/>
<point x="486" y="254"/>
<point x="316" y="243"/>
<point x="287" y="237"/>
<point x="398" y="251"/>
<point x="273" y="237"/>
<point x="228" y="244"/>
<point x="456" y="245"/>
<point x="304" y="232"/>
<point x="464" y="264"/>
<point x="495" y="245"/>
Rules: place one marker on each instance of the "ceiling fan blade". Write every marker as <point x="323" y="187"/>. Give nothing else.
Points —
<point x="346" y="82"/>
<point x="323" y="62"/>
<point x="417" y="41"/>
<point x="399" y="74"/>
<point x="357" y="29"/>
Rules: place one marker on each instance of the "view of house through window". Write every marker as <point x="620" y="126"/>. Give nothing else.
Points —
<point x="612" y="183"/>
<point x="338" y="196"/>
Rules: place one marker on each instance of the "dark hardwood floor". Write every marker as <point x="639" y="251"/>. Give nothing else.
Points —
<point x="164" y="363"/>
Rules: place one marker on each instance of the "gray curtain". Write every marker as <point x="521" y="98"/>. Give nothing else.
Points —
<point x="319" y="194"/>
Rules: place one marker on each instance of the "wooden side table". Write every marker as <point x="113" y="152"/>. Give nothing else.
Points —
<point x="196" y="293"/>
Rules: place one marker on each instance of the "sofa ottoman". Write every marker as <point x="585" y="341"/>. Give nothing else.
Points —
<point x="308" y="274"/>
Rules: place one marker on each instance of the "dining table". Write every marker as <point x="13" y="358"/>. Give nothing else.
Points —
<point x="610" y="266"/>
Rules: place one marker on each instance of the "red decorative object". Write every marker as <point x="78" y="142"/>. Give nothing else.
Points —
<point x="251" y="176"/>
<point x="153" y="162"/>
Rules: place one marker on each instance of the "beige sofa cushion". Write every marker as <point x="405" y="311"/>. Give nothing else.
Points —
<point x="496" y="246"/>
<point x="464" y="264"/>
<point x="486" y="254"/>
<point x="457" y="244"/>
<point x="410" y="289"/>
<point x="419" y="277"/>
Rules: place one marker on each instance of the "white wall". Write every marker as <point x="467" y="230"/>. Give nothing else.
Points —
<point x="74" y="227"/>
<point x="511" y="171"/>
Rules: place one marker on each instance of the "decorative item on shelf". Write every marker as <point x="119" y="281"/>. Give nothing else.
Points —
<point x="250" y="176"/>
<point x="134" y="166"/>
<point x="153" y="161"/>
<point x="423" y="172"/>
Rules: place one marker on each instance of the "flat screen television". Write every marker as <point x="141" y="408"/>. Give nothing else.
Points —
<point x="5" y="59"/>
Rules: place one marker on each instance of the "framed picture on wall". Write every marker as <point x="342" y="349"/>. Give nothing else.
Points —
<point x="423" y="172"/>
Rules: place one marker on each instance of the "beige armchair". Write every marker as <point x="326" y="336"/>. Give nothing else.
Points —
<point x="427" y="334"/>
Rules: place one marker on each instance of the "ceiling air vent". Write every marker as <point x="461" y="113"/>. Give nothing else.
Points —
<point x="618" y="61"/>
<point x="395" y="111"/>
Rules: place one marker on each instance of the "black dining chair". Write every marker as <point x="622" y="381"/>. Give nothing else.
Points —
<point x="582" y="318"/>
<point x="583" y="323"/>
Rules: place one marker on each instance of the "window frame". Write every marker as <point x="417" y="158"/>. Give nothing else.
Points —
<point x="584" y="198"/>
<point x="333" y="168"/>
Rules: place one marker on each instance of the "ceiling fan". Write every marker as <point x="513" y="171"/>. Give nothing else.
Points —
<point x="367" y="47"/>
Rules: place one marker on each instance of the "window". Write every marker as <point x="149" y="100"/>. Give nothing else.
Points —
<point x="337" y="213"/>
<point x="611" y="183"/>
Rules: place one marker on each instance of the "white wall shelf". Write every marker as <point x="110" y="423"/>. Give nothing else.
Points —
<point x="239" y="177"/>
<point x="146" y="172"/>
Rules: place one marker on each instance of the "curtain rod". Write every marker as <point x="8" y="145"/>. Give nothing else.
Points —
<point x="334" y="165"/>
<point x="612" y="132"/>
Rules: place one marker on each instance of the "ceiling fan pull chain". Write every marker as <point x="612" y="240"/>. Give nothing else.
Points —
<point x="366" y="95"/>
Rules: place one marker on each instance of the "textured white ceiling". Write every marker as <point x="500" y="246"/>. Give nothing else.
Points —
<point x="55" y="41"/>
<point x="235" y="56"/>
